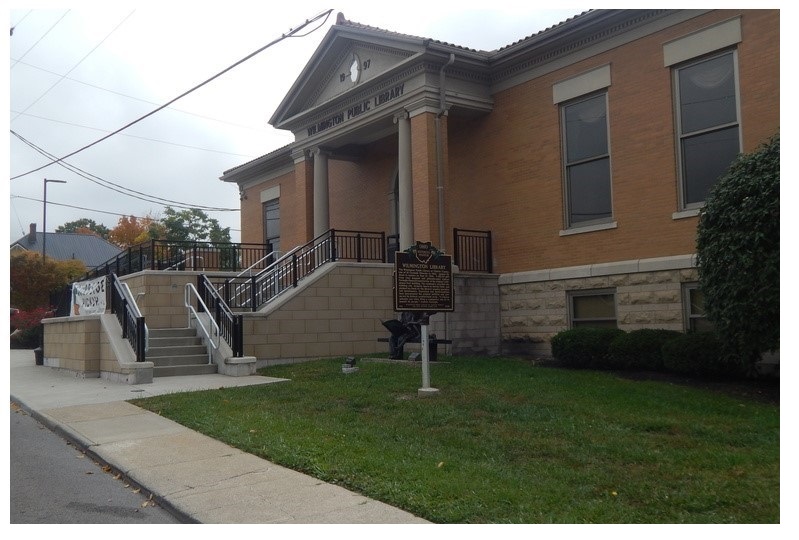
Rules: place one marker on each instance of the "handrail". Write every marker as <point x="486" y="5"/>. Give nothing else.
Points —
<point x="187" y="290"/>
<point x="136" y="311"/>
<point x="243" y="286"/>
<point x="248" y="270"/>
<point x="231" y="325"/>
<point x="330" y="246"/>
<point x="130" y="319"/>
<point x="193" y="258"/>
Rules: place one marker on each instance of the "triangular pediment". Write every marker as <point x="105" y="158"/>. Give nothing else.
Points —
<point x="349" y="58"/>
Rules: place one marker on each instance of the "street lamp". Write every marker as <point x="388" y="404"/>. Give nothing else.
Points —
<point x="44" y="218"/>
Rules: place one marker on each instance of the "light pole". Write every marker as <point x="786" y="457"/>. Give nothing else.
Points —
<point x="44" y="217"/>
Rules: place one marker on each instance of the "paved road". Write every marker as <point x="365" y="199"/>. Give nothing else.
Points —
<point x="53" y="482"/>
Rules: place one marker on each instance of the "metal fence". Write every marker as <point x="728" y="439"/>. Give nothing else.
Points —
<point x="473" y="251"/>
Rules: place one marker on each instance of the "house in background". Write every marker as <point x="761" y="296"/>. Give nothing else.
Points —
<point x="89" y="248"/>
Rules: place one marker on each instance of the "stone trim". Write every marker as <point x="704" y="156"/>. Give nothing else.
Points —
<point x="677" y="262"/>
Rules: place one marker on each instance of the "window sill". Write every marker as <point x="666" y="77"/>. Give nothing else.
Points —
<point x="589" y="228"/>
<point x="693" y="212"/>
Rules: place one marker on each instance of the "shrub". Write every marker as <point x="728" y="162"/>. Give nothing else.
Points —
<point x="699" y="354"/>
<point x="584" y="347"/>
<point x="28" y="325"/>
<point x="640" y="349"/>
<point x="738" y="253"/>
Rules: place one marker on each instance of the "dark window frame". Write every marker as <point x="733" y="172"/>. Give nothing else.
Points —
<point x="571" y="165"/>
<point x="689" y="181"/>
<point x="575" y="321"/>
<point x="271" y="205"/>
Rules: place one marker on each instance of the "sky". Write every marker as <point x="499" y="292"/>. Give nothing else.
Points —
<point x="79" y="71"/>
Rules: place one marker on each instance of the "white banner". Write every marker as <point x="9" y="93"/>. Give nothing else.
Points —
<point x="88" y="297"/>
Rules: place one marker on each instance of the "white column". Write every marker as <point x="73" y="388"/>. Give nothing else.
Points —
<point x="321" y="196"/>
<point x="405" y="183"/>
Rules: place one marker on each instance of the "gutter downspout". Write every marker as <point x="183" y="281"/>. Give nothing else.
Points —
<point x="442" y="110"/>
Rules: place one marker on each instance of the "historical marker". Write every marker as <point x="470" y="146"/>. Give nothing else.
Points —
<point x="423" y="280"/>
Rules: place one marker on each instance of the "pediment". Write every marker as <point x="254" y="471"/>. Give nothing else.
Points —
<point x="348" y="59"/>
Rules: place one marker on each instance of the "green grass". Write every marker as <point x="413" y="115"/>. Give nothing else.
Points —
<point x="505" y="441"/>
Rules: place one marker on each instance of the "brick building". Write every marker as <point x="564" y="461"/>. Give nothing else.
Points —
<point x="586" y="150"/>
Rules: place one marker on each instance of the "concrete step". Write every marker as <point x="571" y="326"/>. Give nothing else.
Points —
<point x="175" y="371"/>
<point x="174" y="341"/>
<point x="179" y="350"/>
<point x="179" y="360"/>
<point x="172" y="332"/>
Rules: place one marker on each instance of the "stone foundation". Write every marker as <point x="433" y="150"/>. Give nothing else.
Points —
<point x="535" y="305"/>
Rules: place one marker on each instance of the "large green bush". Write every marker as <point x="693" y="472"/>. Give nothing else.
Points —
<point x="700" y="354"/>
<point x="738" y="250"/>
<point x="584" y="347"/>
<point x="640" y="349"/>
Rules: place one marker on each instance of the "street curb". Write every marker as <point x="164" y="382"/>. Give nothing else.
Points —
<point x="84" y="446"/>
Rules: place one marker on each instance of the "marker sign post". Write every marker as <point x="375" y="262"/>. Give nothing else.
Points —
<point x="423" y="285"/>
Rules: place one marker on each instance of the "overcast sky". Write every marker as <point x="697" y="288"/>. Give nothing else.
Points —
<point x="79" y="71"/>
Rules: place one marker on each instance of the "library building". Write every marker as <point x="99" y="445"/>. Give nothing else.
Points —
<point x="564" y="173"/>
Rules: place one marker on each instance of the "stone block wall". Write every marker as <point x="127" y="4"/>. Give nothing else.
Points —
<point x="648" y="293"/>
<point x="474" y="326"/>
<point x="162" y="301"/>
<point x="74" y="344"/>
<point x="337" y="311"/>
<point x="91" y="346"/>
<point x="340" y="309"/>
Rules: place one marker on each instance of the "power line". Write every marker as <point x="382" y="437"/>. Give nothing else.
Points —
<point x="41" y="38"/>
<point x="134" y="98"/>
<point x="135" y="136"/>
<point x="82" y="208"/>
<point x="76" y="65"/>
<point x="20" y="21"/>
<point x="291" y="33"/>
<point x="101" y="182"/>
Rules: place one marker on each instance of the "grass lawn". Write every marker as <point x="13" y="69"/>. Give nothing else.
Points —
<point x="506" y="441"/>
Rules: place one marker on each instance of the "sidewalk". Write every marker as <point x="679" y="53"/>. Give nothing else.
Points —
<point x="199" y="479"/>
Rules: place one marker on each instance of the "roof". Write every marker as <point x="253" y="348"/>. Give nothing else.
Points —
<point x="90" y="249"/>
<point x="343" y="21"/>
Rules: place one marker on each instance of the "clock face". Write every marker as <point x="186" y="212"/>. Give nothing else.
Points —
<point x="355" y="69"/>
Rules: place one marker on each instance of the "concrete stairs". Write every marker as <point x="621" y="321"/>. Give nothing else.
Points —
<point x="178" y="351"/>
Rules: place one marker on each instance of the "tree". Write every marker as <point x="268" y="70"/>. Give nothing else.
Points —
<point x="193" y="225"/>
<point x="84" y="226"/>
<point x="131" y="230"/>
<point x="32" y="280"/>
<point x="738" y="250"/>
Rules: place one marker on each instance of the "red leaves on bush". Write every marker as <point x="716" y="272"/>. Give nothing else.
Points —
<point x="24" y="320"/>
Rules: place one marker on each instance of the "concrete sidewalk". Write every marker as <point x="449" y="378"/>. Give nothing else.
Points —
<point x="197" y="478"/>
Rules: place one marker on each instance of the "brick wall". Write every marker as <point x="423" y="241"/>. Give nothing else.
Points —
<point x="506" y="168"/>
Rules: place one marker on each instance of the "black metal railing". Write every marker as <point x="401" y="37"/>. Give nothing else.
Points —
<point x="181" y="255"/>
<point x="231" y="325"/>
<point x="252" y="292"/>
<point x="472" y="252"/>
<point x="129" y="317"/>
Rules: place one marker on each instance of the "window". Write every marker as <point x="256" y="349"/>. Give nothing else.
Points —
<point x="271" y="216"/>
<point x="694" y="308"/>
<point x="592" y="308"/>
<point x="587" y="161"/>
<point x="707" y="120"/>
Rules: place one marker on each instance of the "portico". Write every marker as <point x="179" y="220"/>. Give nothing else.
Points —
<point x="371" y="114"/>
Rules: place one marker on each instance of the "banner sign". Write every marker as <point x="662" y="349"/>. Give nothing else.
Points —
<point x="88" y="297"/>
